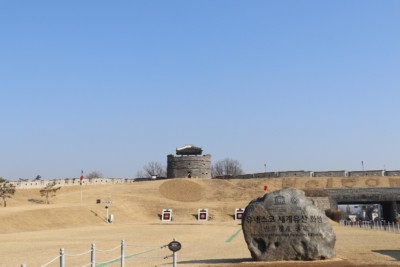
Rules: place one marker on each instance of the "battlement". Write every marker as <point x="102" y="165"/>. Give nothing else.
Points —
<point x="69" y="182"/>
<point x="375" y="173"/>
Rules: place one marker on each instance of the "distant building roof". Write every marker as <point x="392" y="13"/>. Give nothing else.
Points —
<point x="189" y="150"/>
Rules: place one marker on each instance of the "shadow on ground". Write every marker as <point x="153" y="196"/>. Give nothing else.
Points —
<point x="97" y="215"/>
<point x="37" y="201"/>
<point x="216" y="261"/>
<point x="247" y="262"/>
<point x="395" y="254"/>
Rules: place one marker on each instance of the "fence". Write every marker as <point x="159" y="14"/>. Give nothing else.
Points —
<point x="379" y="226"/>
<point x="147" y="256"/>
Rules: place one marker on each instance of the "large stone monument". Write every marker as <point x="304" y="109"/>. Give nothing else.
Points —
<point x="189" y="163"/>
<point x="285" y="225"/>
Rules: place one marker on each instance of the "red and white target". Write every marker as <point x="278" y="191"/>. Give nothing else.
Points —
<point x="239" y="214"/>
<point x="166" y="215"/>
<point x="202" y="215"/>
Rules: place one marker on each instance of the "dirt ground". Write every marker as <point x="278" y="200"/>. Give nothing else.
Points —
<point x="32" y="233"/>
<point x="202" y="245"/>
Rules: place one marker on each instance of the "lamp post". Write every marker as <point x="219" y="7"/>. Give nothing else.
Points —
<point x="106" y="206"/>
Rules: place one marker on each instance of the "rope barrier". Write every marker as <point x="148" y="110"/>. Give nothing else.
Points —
<point x="140" y="253"/>
<point x="102" y="264"/>
<point x="121" y="258"/>
<point x="56" y="258"/>
<point x="78" y="255"/>
<point x="140" y="246"/>
<point x="109" y="250"/>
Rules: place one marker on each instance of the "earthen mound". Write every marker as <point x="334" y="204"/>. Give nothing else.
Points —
<point x="182" y="190"/>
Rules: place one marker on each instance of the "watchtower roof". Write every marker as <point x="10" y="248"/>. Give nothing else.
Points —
<point x="189" y="150"/>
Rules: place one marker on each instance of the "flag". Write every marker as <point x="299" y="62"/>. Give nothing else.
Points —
<point x="81" y="178"/>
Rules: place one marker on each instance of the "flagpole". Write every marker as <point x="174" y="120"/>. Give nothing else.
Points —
<point x="81" y="181"/>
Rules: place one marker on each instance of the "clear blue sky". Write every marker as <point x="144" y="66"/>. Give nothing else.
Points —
<point x="113" y="85"/>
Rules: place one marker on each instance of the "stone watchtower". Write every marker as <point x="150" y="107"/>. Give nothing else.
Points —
<point x="189" y="163"/>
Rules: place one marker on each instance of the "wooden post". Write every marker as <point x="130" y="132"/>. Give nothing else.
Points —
<point x="62" y="260"/>
<point x="93" y="256"/>
<point x="122" y="253"/>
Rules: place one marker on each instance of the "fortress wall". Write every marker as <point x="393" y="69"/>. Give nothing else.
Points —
<point x="330" y="174"/>
<point x="392" y="173"/>
<point x="257" y="175"/>
<point x="322" y="174"/>
<point x="294" y="174"/>
<point x="69" y="182"/>
<point x="244" y="176"/>
<point x="364" y="195"/>
<point x="181" y="166"/>
<point x="265" y="175"/>
<point x="366" y="173"/>
<point x="346" y="181"/>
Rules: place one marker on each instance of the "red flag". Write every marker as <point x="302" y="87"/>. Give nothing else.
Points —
<point x="81" y="178"/>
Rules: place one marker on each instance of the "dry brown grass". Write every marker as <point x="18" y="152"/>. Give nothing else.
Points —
<point x="32" y="233"/>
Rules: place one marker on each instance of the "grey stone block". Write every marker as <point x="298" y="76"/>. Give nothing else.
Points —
<point x="285" y="225"/>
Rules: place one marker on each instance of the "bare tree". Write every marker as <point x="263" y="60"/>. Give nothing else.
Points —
<point x="228" y="167"/>
<point x="49" y="191"/>
<point x="140" y="174"/>
<point x="7" y="190"/>
<point x="152" y="169"/>
<point x="94" y="174"/>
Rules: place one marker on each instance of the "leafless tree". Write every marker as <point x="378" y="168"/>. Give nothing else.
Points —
<point x="49" y="191"/>
<point x="152" y="169"/>
<point x="7" y="190"/>
<point x="226" y="166"/>
<point x="94" y="174"/>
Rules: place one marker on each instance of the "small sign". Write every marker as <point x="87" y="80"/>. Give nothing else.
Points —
<point x="174" y="246"/>
<point x="239" y="214"/>
<point x="166" y="215"/>
<point x="202" y="215"/>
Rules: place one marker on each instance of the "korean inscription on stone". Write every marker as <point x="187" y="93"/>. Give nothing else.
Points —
<point x="285" y="225"/>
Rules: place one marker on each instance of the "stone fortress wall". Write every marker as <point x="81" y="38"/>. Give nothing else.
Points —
<point x="318" y="174"/>
<point x="189" y="166"/>
<point x="69" y="182"/>
<point x="206" y="159"/>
